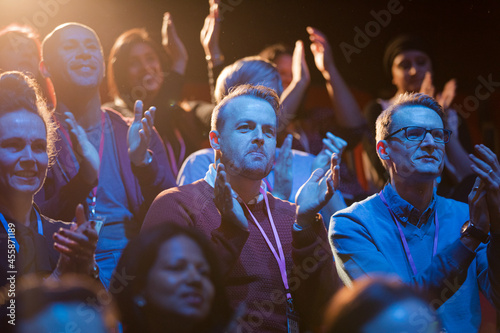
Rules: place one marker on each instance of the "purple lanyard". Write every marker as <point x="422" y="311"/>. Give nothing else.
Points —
<point x="403" y="238"/>
<point x="279" y="256"/>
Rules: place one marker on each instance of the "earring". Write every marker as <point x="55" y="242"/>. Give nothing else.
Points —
<point x="140" y="301"/>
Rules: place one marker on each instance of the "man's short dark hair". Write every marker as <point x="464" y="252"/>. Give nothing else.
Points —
<point x="384" y="121"/>
<point x="262" y="92"/>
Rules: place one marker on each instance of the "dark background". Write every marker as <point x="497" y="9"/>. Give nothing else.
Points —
<point x="463" y="34"/>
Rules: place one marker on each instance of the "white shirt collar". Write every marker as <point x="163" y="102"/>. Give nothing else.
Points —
<point x="210" y="179"/>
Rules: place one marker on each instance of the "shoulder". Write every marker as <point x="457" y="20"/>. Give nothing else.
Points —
<point x="281" y="206"/>
<point x="50" y="226"/>
<point x="117" y="119"/>
<point x="190" y="193"/>
<point x="362" y="212"/>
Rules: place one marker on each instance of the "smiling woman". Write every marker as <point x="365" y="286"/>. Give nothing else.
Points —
<point x="29" y="241"/>
<point x="176" y="283"/>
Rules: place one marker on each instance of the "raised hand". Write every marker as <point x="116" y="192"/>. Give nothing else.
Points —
<point x="446" y="97"/>
<point x="76" y="246"/>
<point x="300" y="71"/>
<point x="427" y="87"/>
<point x="173" y="45"/>
<point x="331" y="145"/>
<point x="321" y="51"/>
<point x="283" y="171"/>
<point x="139" y="135"/>
<point x="86" y="154"/>
<point x="485" y="165"/>
<point x="228" y="207"/>
<point x="317" y="191"/>
<point x="209" y="35"/>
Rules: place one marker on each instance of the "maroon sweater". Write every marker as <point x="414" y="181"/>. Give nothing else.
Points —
<point x="251" y="271"/>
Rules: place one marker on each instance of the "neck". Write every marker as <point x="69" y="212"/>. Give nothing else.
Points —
<point x="246" y="188"/>
<point x="16" y="208"/>
<point x="87" y="112"/>
<point x="419" y="195"/>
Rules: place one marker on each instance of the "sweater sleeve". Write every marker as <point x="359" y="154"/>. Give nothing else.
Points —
<point x="192" y="208"/>
<point x="313" y="267"/>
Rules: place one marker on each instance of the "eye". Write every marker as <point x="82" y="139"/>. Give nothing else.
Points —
<point x="92" y="46"/>
<point x="13" y="145"/>
<point x="421" y="61"/>
<point x="414" y="133"/>
<point x="269" y="132"/>
<point x="405" y="64"/>
<point x="39" y="147"/>
<point x="243" y="128"/>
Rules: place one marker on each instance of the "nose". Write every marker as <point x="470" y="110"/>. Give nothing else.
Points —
<point x="193" y="276"/>
<point x="27" y="156"/>
<point x="413" y="70"/>
<point x="259" y="136"/>
<point x="428" y="140"/>
<point x="83" y="52"/>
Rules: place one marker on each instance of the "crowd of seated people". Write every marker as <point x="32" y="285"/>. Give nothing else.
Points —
<point x="116" y="217"/>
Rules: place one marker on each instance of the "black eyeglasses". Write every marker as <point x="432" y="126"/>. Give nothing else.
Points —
<point x="415" y="133"/>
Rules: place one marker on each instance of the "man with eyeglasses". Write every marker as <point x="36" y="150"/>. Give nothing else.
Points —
<point x="447" y="250"/>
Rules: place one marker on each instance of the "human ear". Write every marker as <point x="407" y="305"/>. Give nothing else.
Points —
<point x="214" y="140"/>
<point x="383" y="150"/>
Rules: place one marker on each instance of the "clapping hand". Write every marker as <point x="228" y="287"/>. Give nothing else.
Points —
<point x="140" y="134"/>
<point x="229" y="208"/>
<point x="485" y="165"/>
<point x="86" y="154"/>
<point x="283" y="171"/>
<point x="173" y="45"/>
<point x="76" y="246"/>
<point x="317" y="191"/>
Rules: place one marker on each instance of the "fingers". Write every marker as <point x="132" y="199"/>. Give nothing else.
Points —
<point x="80" y="215"/>
<point x="317" y="175"/>
<point x="286" y="150"/>
<point x="334" y="144"/>
<point x="74" y="243"/>
<point x="164" y="28"/>
<point x="427" y="87"/>
<point x="138" y="106"/>
<point x="476" y="190"/>
<point x="486" y="166"/>
<point x="335" y="170"/>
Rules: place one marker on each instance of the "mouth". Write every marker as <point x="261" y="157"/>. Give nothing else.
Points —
<point x="428" y="157"/>
<point x="25" y="174"/>
<point x="83" y="67"/>
<point x="193" y="298"/>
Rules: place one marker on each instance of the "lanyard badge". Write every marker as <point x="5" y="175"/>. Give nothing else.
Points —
<point x="292" y="317"/>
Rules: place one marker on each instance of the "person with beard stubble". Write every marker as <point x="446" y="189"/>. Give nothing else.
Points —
<point x="273" y="253"/>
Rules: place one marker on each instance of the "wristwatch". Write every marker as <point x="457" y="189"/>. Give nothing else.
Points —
<point x="468" y="229"/>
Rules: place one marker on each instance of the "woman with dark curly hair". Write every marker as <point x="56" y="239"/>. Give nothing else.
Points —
<point x="174" y="283"/>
